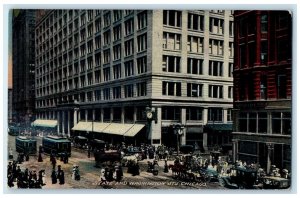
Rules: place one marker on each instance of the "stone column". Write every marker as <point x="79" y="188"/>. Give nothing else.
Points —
<point x="63" y="123"/>
<point x="122" y="115"/>
<point x="155" y="130"/>
<point x="234" y="150"/>
<point x="270" y="147"/>
<point x="86" y="115"/>
<point x="225" y="116"/>
<point x="75" y="118"/>
<point x="134" y="114"/>
<point x="69" y="127"/>
<point x="93" y="114"/>
<point x="111" y="114"/>
<point x="58" y="122"/>
<point x="101" y="114"/>
<point x="183" y="122"/>
<point x="205" y="113"/>
<point x="204" y="141"/>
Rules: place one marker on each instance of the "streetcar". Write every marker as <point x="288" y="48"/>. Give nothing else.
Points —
<point x="56" y="145"/>
<point x="26" y="145"/>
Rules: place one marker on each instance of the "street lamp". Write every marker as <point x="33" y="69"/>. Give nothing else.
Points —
<point x="178" y="131"/>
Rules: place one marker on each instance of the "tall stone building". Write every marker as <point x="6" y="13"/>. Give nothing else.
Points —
<point x="23" y="56"/>
<point x="263" y="88"/>
<point x="98" y="70"/>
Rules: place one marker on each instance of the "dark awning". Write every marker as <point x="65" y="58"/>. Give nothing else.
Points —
<point x="219" y="127"/>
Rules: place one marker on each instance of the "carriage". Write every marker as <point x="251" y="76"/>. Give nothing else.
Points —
<point x="244" y="177"/>
<point x="80" y="141"/>
<point x="189" y="168"/>
<point x="110" y="156"/>
<point x="270" y="182"/>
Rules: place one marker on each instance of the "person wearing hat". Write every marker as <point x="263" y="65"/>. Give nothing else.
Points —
<point x="166" y="169"/>
<point x="73" y="171"/>
<point x="10" y="155"/>
<point x="40" y="159"/>
<point x="102" y="177"/>
<point x="61" y="177"/>
<point x="77" y="175"/>
<point x="119" y="173"/>
<point x="53" y="162"/>
<point x="155" y="167"/>
<point x="9" y="167"/>
<point x="54" y="177"/>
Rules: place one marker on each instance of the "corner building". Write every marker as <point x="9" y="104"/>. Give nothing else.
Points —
<point x="98" y="70"/>
<point x="263" y="88"/>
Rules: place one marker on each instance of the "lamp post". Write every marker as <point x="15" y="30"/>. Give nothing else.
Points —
<point x="178" y="130"/>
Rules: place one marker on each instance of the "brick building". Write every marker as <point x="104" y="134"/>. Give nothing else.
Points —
<point x="262" y="88"/>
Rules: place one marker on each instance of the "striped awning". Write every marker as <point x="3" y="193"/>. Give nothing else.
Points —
<point x="45" y="123"/>
<point x="90" y="126"/>
<point x="129" y="130"/>
<point x="100" y="126"/>
<point x="134" y="130"/>
<point x="82" y="126"/>
<point x="117" y="129"/>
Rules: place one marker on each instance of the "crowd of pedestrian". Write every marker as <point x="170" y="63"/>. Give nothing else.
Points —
<point x="24" y="178"/>
<point x="58" y="175"/>
<point x="110" y="173"/>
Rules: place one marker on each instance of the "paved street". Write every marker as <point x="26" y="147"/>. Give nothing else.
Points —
<point x="90" y="174"/>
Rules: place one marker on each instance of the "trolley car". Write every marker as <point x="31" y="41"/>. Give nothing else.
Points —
<point x="25" y="145"/>
<point x="57" y="145"/>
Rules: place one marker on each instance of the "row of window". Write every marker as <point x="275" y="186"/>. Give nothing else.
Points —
<point x="264" y="122"/>
<point x="250" y="49"/>
<point x="195" y="44"/>
<point x="196" y="22"/>
<point x="170" y="64"/>
<point x="168" y="88"/>
<point x="216" y="26"/>
<point x="248" y="24"/>
<point x="194" y="66"/>
<point x="68" y="26"/>
<point x="171" y="18"/>
<point x="194" y="90"/>
<point x="168" y="113"/>
<point x="130" y="90"/>
<point x="247" y="87"/>
<point x="171" y="41"/>
<point x="71" y="52"/>
<point x="194" y="113"/>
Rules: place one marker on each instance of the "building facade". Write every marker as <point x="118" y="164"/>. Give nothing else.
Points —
<point x="107" y="66"/>
<point x="263" y="88"/>
<point x="23" y="55"/>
